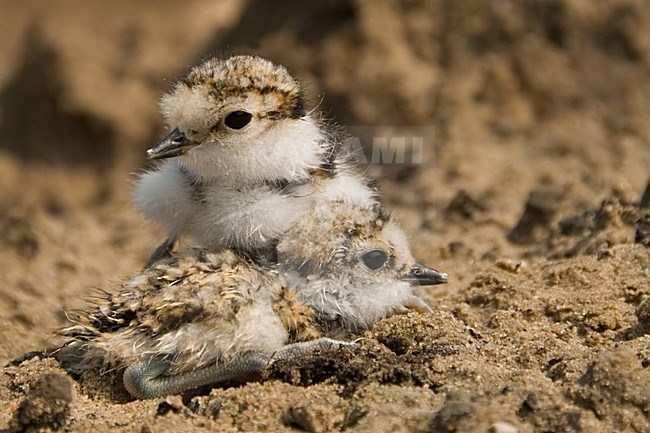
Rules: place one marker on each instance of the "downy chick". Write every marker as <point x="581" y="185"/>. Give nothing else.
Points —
<point x="207" y="317"/>
<point x="244" y="159"/>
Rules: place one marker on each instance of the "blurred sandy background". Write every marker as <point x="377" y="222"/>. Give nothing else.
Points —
<point x="544" y="97"/>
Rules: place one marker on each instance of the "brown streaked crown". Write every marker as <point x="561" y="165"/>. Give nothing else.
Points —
<point x="242" y="75"/>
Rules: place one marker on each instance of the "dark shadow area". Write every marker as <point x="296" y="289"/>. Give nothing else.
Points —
<point x="36" y="126"/>
<point x="310" y="22"/>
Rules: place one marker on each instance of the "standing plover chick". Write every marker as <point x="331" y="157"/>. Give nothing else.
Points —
<point x="243" y="161"/>
<point x="207" y="317"/>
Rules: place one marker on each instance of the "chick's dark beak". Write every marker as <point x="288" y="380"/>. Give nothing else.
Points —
<point x="420" y="275"/>
<point x="174" y="144"/>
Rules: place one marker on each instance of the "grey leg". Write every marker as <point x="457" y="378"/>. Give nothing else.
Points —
<point x="144" y="380"/>
<point x="162" y="251"/>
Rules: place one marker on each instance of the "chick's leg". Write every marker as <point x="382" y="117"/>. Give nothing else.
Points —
<point x="162" y="251"/>
<point x="146" y="379"/>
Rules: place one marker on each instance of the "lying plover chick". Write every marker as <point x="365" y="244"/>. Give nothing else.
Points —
<point x="243" y="161"/>
<point x="207" y="317"/>
<point x="352" y="266"/>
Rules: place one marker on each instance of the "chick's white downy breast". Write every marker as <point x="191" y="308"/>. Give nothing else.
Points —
<point x="165" y="196"/>
<point x="247" y="219"/>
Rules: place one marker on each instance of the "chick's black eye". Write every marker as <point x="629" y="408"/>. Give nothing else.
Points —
<point x="237" y="119"/>
<point x="374" y="259"/>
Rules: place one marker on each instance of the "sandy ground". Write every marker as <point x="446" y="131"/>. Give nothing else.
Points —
<point x="529" y="195"/>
